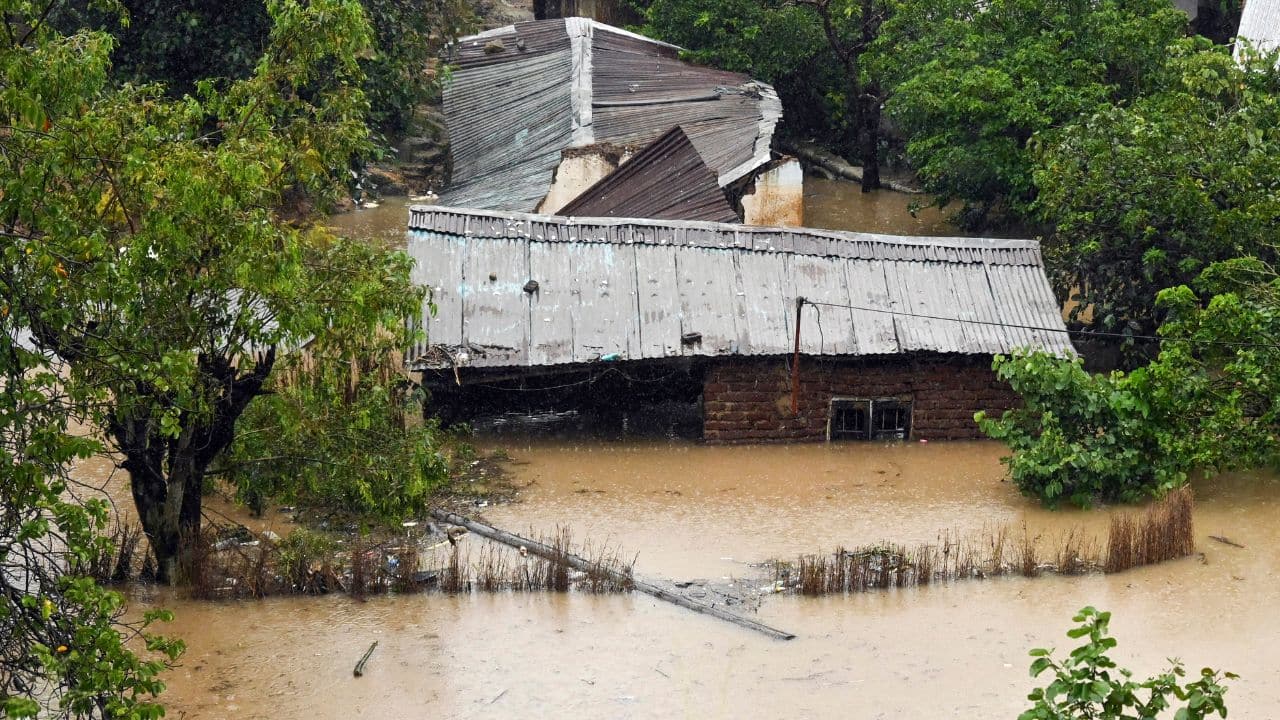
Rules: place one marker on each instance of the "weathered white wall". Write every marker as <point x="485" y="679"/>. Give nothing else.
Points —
<point x="778" y="197"/>
<point x="1260" y="25"/>
<point x="1190" y="7"/>
<point x="575" y="174"/>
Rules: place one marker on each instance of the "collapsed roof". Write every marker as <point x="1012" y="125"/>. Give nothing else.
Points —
<point x="665" y="181"/>
<point x="521" y="290"/>
<point x="522" y="94"/>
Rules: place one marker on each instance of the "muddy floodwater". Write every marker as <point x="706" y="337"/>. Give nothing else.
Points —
<point x="828" y="204"/>
<point x="686" y="512"/>
<point x="841" y="205"/>
<point x="690" y="511"/>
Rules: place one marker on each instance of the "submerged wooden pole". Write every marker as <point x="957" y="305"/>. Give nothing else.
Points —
<point x="547" y="552"/>
<point x="795" y="363"/>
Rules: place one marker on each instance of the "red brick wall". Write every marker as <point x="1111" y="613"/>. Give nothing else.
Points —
<point x="750" y="400"/>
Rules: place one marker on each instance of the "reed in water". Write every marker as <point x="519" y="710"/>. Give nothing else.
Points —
<point x="1163" y="532"/>
<point x="227" y="564"/>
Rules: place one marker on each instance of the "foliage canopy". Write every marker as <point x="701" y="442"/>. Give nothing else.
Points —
<point x="974" y="82"/>
<point x="145" y="244"/>
<point x="62" y="652"/>
<point x="1145" y="195"/>
<point x="1209" y="401"/>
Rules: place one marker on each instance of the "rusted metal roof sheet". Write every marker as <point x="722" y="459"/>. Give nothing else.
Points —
<point x="666" y="181"/>
<point x="523" y="93"/>
<point x="1260" y="25"/>
<point x="521" y="290"/>
<point x="518" y="117"/>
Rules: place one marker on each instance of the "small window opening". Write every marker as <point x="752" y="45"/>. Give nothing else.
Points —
<point x="868" y="419"/>
<point x="890" y="420"/>
<point x="850" y="420"/>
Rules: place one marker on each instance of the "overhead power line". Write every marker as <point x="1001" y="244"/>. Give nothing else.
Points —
<point x="1014" y="326"/>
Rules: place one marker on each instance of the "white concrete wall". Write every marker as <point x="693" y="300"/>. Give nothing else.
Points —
<point x="1190" y="7"/>
<point x="575" y="175"/>
<point x="778" y="197"/>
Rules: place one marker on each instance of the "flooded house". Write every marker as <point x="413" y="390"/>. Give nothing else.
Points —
<point x="772" y="334"/>
<point x="541" y="113"/>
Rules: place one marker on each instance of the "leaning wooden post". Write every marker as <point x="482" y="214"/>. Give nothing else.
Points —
<point x="359" y="671"/>
<point x="533" y="547"/>
<point x="795" y="363"/>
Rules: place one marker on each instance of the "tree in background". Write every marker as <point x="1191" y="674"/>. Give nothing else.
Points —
<point x="973" y="83"/>
<point x="144" y="246"/>
<point x="813" y="51"/>
<point x="852" y="28"/>
<point x="180" y="43"/>
<point x="1145" y="195"/>
<point x="403" y="71"/>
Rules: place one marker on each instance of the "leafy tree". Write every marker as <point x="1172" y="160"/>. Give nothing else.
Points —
<point x="814" y="52"/>
<point x="403" y="70"/>
<point x="62" y="653"/>
<point x="342" y="428"/>
<point x="144" y="246"/>
<point x="975" y="81"/>
<point x="1210" y="400"/>
<point x="1145" y="195"/>
<point x="1219" y="369"/>
<point x="180" y="43"/>
<point x="1088" y="685"/>
<point x="1082" y="437"/>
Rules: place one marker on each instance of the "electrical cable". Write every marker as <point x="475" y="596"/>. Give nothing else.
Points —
<point x="1090" y="333"/>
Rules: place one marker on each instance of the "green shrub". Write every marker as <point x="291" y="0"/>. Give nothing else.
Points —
<point x="1084" y="437"/>
<point x="1088" y="685"/>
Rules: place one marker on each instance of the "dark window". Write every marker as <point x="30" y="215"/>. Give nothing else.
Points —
<point x="850" y="420"/>
<point x="863" y="419"/>
<point x="890" y="420"/>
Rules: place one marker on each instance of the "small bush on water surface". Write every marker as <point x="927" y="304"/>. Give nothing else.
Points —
<point x="1088" y="685"/>
<point x="1082" y="437"/>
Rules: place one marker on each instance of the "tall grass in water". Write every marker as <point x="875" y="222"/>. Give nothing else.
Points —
<point x="112" y="562"/>
<point x="222" y="564"/>
<point x="1163" y="532"/>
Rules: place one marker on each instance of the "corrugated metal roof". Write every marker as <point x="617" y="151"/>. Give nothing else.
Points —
<point x="523" y="93"/>
<point x="634" y="288"/>
<point x="1260" y="24"/>
<point x="665" y="181"/>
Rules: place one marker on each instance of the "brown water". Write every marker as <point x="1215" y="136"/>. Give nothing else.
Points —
<point x="841" y="205"/>
<point x="691" y="511"/>
<point x="387" y="222"/>
<point x="828" y="204"/>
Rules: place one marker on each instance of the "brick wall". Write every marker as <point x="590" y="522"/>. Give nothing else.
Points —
<point x="750" y="400"/>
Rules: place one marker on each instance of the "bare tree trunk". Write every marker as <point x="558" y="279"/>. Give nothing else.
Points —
<point x="869" y="104"/>
<point x="862" y="128"/>
<point x="869" y="136"/>
<point x="547" y="9"/>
